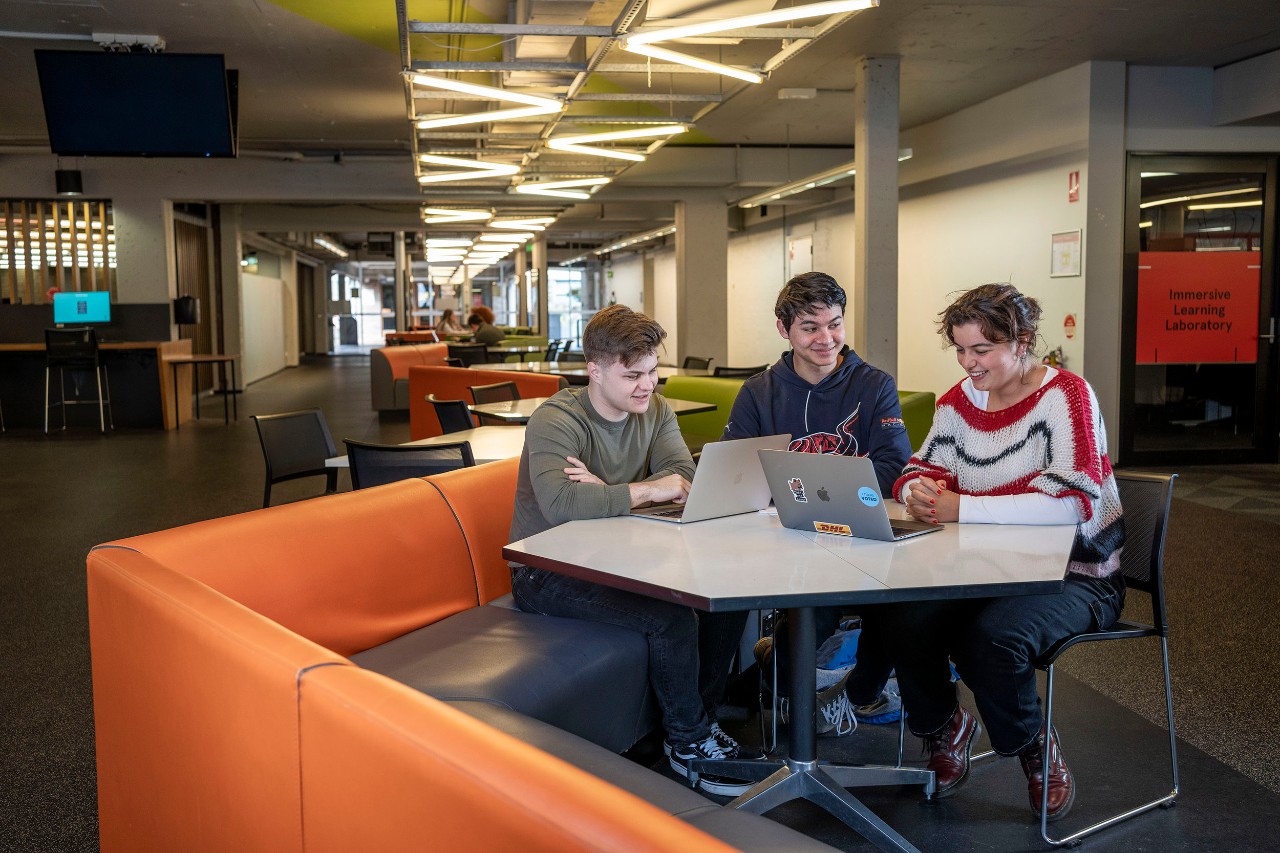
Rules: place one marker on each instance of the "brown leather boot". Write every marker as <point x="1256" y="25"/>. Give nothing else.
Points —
<point x="1062" y="788"/>
<point x="949" y="750"/>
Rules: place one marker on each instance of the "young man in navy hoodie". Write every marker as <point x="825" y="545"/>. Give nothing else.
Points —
<point x="830" y="401"/>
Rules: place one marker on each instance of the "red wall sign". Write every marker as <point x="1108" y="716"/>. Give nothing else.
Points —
<point x="1069" y="326"/>
<point x="1198" y="307"/>
<point x="1073" y="186"/>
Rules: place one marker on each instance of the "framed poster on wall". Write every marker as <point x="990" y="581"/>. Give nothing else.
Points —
<point x="1064" y="254"/>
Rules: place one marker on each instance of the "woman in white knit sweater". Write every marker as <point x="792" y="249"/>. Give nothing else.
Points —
<point x="1015" y="442"/>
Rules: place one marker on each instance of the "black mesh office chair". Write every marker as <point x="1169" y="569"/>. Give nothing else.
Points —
<point x="453" y="414"/>
<point x="553" y="347"/>
<point x="469" y="354"/>
<point x="294" y="445"/>
<point x="693" y="362"/>
<point x="379" y="464"/>
<point x="76" y="351"/>
<point x="739" y="371"/>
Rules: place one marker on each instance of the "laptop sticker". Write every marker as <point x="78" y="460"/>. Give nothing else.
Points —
<point x="868" y="496"/>
<point x="797" y="490"/>
<point x="827" y="527"/>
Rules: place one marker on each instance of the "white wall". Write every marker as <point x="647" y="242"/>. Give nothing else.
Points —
<point x="262" y="319"/>
<point x="625" y="280"/>
<point x="757" y="269"/>
<point x="664" y="298"/>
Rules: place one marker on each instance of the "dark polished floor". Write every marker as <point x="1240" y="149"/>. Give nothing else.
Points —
<point x="63" y="494"/>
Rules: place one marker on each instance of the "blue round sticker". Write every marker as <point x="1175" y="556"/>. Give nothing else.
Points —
<point x="870" y="497"/>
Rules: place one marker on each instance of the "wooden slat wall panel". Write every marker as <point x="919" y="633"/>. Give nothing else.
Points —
<point x="46" y="244"/>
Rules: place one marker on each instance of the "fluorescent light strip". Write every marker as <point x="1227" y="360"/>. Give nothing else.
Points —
<point x="692" y="61"/>
<point x="516" y="239"/>
<point x="643" y="43"/>
<point x="478" y="169"/>
<point x="536" y="105"/>
<point x="538" y="223"/>
<point x="562" y="189"/>
<point x="1144" y="205"/>
<point x="793" y="13"/>
<point x="582" y="144"/>
<point x="332" y="247"/>
<point x="443" y="216"/>
<point x="1146" y="224"/>
<point x="1222" y="204"/>
<point x="637" y="238"/>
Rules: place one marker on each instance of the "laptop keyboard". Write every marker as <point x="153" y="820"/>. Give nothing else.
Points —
<point x="671" y="513"/>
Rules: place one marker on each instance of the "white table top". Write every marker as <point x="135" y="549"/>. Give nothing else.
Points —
<point x="488" y="444"/>
<point x="751" y="561"/>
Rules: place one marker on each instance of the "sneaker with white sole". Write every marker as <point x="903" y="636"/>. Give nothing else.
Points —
<point x="834" y="712"/>
<point x="728" y="743"/>
<point x="709" y="750"/>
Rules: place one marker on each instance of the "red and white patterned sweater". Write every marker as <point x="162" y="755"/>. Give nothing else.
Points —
<point x="1052" y="442"/>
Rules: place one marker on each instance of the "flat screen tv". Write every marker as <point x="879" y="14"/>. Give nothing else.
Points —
<point x="101" y="104"/>
<point x="82" y="309"/>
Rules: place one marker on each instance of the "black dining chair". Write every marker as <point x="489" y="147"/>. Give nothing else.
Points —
<point x="498" y="392"/>
<point x="694" y="362"/>
<point x="553" y="347"/>
<point x="739" y="371"/>
<point x="469" y="354"/>
<point x="453" y="414"/>
<point x="571" y="358"/>
<point x="295" y="445"/>
<point x="379" y="464"/>
<point x="454" y="362"/>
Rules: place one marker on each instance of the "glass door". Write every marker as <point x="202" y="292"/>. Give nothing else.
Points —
<point x="1199" y="311"/>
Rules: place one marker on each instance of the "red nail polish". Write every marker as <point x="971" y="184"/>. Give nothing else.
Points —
<point x="933" y="512"/>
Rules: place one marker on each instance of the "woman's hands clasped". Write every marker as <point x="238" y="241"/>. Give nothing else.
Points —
<point x="930" y="500"/>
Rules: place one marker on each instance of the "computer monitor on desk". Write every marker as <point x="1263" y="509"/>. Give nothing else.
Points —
<point x="87" y="308"/>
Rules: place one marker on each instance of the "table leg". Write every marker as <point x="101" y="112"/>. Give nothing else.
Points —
<point x="226" y="404"/>
<point x="235" y="404"/>
<point x="177" y="408"/>
<point x="801" y="775"/>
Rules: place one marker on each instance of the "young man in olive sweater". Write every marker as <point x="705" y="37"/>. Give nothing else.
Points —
<point x="601" y="451"/>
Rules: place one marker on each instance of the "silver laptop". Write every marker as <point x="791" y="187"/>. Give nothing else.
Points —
<point x="833" y="494"/>
<point x="728" y="481"/>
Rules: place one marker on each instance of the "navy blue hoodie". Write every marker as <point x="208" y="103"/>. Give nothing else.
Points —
<point x="853" y="411"/>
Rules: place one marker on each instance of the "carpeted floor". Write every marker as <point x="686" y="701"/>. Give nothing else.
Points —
<point x="63" y="494"/>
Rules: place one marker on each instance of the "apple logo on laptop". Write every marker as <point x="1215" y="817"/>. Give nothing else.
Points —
<point x="822" y="495"/>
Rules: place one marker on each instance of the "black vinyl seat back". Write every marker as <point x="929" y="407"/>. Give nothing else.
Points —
<point x="379" y="464"/>
<point x="294" y="445"/>
<point x="553" y="347"/>
<point x="453" y="414"/>
<point x="694" y="362"/>
<point x="71" y="347"/>
<point x="498" y="392"/>
<point x="739" y="371"/>
<point x="1146" y="499"/>
<point x="469" y="354"/>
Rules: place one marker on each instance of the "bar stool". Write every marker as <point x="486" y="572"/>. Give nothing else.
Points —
<point x="75" y="350"/>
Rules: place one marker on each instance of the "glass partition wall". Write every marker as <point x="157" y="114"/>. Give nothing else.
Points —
<point x="1199" y="311"/>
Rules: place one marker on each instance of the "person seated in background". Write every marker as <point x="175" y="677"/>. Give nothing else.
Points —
<point x="448" y="324"/>
<point x="601" y="451"/>
<point x="483" y="331"/>
<point x="1015" y="442"/>
<point x="830" y="401"/>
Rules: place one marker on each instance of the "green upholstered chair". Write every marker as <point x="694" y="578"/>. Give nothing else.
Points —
<point x="708" y="426"/>
<point x="917" y="414"/>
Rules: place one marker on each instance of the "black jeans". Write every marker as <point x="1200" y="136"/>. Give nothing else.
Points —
<point x="993" y="642"/>
<point x="690" y="651"/>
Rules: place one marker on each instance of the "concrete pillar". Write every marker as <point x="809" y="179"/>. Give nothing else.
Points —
<point x="874" y="296"/>
<point x="1104" y="185"/>
<point x="232" y="325"/>
<point x="401" y="282"/>
<point x="702" y="280"/>
<point x="539" y="261"/>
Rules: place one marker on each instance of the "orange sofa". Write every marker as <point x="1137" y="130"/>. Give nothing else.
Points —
<point x="452" y="383"/>
<point x="229" y="714"/>
<point x="389" y="372"/>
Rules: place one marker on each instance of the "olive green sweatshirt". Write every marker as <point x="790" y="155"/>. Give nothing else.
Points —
<point x="641" y="447"/>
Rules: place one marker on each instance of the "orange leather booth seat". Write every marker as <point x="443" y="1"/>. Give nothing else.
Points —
<point x="229" y="715"/>
<point x="452" y="383"/>
<point x="389" y="372"/>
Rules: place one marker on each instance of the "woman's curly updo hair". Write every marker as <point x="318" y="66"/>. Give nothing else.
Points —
<point x="1001" y="312"/>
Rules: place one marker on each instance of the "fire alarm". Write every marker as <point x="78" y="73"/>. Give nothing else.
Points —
<point x="1069" y="326"/>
